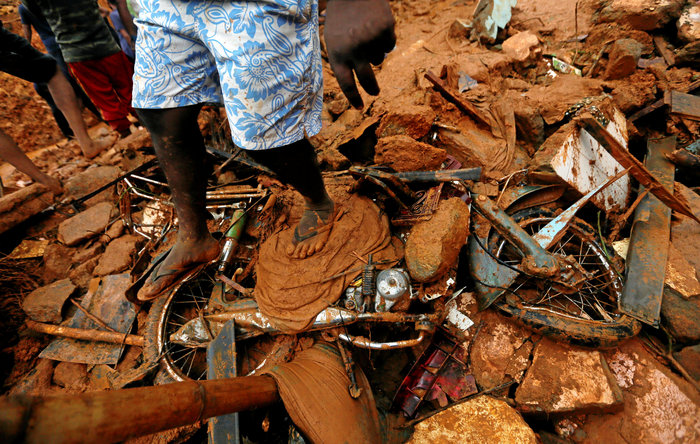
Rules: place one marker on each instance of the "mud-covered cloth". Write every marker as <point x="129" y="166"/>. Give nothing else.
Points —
<point x="80" y="31"/>
<point x="260" y="58"/>
<point x="291" y="292"/>
<point x="20" y="59"/>
<point x="314" y="389"/>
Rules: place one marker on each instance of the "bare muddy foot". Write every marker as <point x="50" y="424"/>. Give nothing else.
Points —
<point x="311" y="235"/>
<point x="98" y="146"/>
<point x="185" y="257"/>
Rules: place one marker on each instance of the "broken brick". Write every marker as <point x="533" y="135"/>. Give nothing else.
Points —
<point x="405" y="154"/>
<point x="118" y="256"/>
<point x="623" y="58"/>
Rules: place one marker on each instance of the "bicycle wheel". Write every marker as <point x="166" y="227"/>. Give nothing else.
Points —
<point x="588" y="316"/>
<point x="167" y="315"/>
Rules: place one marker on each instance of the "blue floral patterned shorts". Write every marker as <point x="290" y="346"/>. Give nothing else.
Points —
<point x="260" y="58"/>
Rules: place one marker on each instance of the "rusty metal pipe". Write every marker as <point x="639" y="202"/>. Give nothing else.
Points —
<point x="86" y="334"/>
<point x="117" y="415"/>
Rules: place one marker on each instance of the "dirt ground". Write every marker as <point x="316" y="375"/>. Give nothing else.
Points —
<point x="515" y="121"/>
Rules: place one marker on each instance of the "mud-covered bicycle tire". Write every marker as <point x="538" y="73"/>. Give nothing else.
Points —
<point x="578" y="331"/>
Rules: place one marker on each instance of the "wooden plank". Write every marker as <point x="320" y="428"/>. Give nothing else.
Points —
<point x="662" y="47"/>
<point x="463" y="105"/>
<point x="686" y="105"/>
<point x="637" y="170"/>
<point x="649" y="242"/>
<point x="661" y="103"/>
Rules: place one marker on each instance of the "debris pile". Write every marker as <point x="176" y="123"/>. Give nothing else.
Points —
<point x="519" y="247"/>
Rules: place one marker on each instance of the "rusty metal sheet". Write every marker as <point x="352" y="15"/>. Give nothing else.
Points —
<point x="221" y="363"/>
<point x="637" y="170"/>
<point x="107" y="303"/>
<point x="649" y="241"/>
<point x="686" y="105"/>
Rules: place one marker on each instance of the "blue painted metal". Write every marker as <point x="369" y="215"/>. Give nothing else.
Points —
<point x="221" y="363"/>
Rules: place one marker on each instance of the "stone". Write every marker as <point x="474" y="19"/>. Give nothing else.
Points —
<point x="659" y="406"/>
<point x="623" y="58"/>
<point x="530" y="125"/>
<point x="114" y="231"/>
<point x="118" y="256"/>
<point x="402" y="153"/>
<point x="71" y="376"/>
<point x="681" y="316"/>
<point x="564" y="378"/>
<point x="684" y="231"/>
<point x="680" y="274"/>
<point x="90" y="180"/>
<point x="19" y="206"/>
<point x="479" y="420"/>
<point x="37" y="382"/>
<point x="689" y="358"/>
<point x="86" y="224"/>
<point x="689" y="23"/>
<point x="412" y="121"/>
<point x="433" y="245"/>
<point x="57" y="262"/>
<point x="522" y="46"/>
<point x="45" y="303"/>
<point x="82" y="274"/>
<point x="645" y="15"/>
<point x="500" y="352"/>
<point x="85" y="254"/>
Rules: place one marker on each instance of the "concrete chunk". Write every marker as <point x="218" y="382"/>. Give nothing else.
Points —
<point x="117" y="256"/>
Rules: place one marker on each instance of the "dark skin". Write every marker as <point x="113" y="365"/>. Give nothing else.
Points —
<point x="358" y="33"/>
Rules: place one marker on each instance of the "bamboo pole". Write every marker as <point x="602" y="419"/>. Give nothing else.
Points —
<point x="86" y="334"/>
<point x="117" y="415"/>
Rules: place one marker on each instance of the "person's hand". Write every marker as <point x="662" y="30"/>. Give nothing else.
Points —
<point x="357" y="33"/>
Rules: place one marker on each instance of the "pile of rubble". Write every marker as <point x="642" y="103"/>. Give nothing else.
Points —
<point x="493" y="115"/>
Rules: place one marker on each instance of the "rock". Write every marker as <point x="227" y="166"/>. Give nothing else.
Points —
<point x="90" y="180"/>
<point x="459" y="29"/>
<point x="645" y="15"/>
<point x="481" y="66"/>
<point x="681" y="317"/>
<point x="37" y="382"/>
<point x="19" y="206"/>
<point x="522" y="46"/>
<point x="684" y="231"/>
<point x="86" y="224"/>
<point x="500" y="352"/>
<point x="433" y="245"/>
<point x="659" y="406"/>
<point x="680" y="274"/>
<point x="118" y="256"/>
<point x="689" y="23"/>
<point x="114" y="231"/>
<point x="402" y="153"/>
<point x="83" y="255"/>
<point x="413" y="121"/>
<point x="530" y="125"/>
<point x="71" y="375"/>
<point x="689" y="358"/>
<point x="479" y="420"/>
<point x="82" y="274"/>
<point x="57" y="262"/>
<point x="45" y="303"/>
<point x="563" y="378"/>
<point x="623" y="58"/>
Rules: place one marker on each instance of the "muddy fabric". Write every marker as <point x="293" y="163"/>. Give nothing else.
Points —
<point x="291" y="292"/>
<point x="314" y="389"/>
